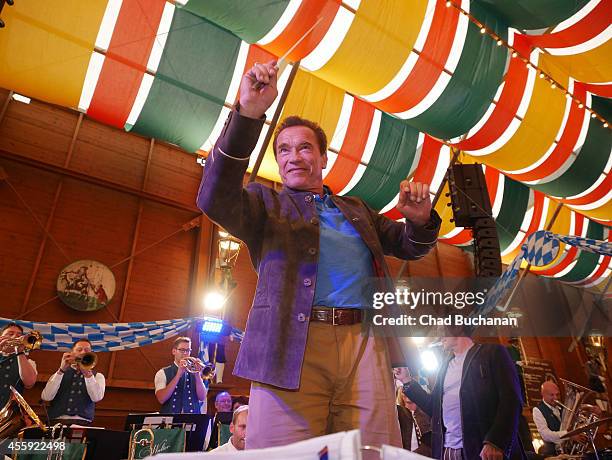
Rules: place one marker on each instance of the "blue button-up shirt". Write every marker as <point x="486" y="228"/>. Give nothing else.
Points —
<point x="345" y="262"/>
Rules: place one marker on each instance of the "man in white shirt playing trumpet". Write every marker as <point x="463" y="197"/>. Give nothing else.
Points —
<point x="179" y="387"/>
<point x="75" y="388"/>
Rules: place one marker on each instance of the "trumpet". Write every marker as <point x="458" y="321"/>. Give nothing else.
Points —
<point x="29" y="341"/>
<point x="87" y="361"/>
<point x="196" y="366"/>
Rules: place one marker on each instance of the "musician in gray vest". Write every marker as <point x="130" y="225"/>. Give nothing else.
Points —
<point x="16" y="369"/>
<point x="547" y="416"/>
<point x="179" y="391"/>
<point x="74" y="390"/>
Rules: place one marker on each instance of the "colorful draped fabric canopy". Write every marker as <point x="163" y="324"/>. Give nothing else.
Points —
<point x="523" y="87"/>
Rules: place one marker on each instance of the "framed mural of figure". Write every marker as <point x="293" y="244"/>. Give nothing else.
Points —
<point x="86" y="285"/>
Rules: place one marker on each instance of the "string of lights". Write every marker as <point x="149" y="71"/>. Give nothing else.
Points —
<point x="516" y="55"/>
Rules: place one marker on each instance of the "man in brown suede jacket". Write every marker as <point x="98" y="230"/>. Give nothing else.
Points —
<point x="313" y="371"/>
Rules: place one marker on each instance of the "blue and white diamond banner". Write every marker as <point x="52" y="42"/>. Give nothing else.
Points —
<point x="111" y="336"/>
<point x="541" y="248"/>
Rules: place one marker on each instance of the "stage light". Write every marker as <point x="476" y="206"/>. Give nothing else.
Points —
<point x="214" y="301"/>
<point x="20" y="98"/>
<point x="429" y="360"/>
<point x="212" y="325"/>
<point x="418" y="340"/>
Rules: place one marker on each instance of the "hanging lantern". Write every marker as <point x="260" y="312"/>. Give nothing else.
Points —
<point x="229" y="248"/>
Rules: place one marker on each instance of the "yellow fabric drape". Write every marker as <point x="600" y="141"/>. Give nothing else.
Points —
<point x="46" y="46"/>
<point x="538" y="129"/>
<point x="445" y="212"/>
<point x="602" y="213"/>
<point x="593" y="66"/>
<point x="311" y="98"/>
<point x="376" y="46"/>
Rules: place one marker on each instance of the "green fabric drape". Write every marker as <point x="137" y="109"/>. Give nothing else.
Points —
<point x="534" y="14"/>
<point x="514" y="206"/>
<point x="587" y="261"/>
<point x="590" y="161"/>
<point x="248" y="19"/>
<point x="472" y="87"/>
<point x="191" y="83"/>
<point x="390" y="163"/>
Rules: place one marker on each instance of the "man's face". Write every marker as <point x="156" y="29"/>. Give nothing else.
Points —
<point x="238" y="430"/>
<point x="550" y="393"/>
<point x="449" y="343"/>
<point x="80" y="348"/>
<point x="223" y="402"/>
<point x="300" y="163"/>
<point x="12" y="332"/>
<point x="182" y="350"/>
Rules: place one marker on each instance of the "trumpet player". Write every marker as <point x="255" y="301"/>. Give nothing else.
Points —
<point x="16" y="369"/>
<point x="74" y="389"/>
<point x="179" y="387"/>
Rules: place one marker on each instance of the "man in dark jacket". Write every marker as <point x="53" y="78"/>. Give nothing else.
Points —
<point x="474" y="404"/>
<point x="313" y="371"/>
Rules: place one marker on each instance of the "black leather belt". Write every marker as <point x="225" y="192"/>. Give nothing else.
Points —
<point x="336" y="316"/>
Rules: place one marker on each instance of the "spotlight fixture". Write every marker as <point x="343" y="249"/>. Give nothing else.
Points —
<point x="214" y="301"/>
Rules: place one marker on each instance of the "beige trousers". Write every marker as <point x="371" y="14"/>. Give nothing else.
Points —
<point x="346" y="384"/>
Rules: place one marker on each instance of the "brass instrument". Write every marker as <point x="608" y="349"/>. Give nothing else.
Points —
<point x="29" y="341"/>
<point x="56" y="454"/>
<point x="208" y="373"/>
<point x="87" y="361"/>
<point x="576" y="414"/>
<point x="134" y="441"/>
<point x="197" y="366"/>
<point x="17" y="415"/>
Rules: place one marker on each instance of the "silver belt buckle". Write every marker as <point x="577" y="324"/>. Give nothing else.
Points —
<point x="320" y="315"/>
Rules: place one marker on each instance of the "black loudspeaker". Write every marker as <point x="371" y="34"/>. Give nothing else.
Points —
<point x="468" y="194"/>
<point x="472" y="209"/>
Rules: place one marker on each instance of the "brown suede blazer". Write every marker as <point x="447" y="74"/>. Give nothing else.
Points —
<point x="281" y="230"/>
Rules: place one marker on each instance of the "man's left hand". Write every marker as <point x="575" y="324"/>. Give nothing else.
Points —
<point x="402" y="374"/>
<point x="414" y="202"/>
<point x="490" y="452"/>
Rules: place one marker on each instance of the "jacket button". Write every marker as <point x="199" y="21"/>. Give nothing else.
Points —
<point x="355" y="219"/>
<point x="314" y="221"/>
<point x="307" y="282"/>
<point x="308" y="198"/>
<point x="301" y="317"/>
<point x="312" y="251"/>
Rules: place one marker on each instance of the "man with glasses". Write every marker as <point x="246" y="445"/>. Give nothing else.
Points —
<point x="178" y="391"/>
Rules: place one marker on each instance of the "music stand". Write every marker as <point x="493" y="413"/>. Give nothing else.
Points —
<point x="102" y="444"/>
<point x="195" y="426"/>
<point x="106" y="444"/>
